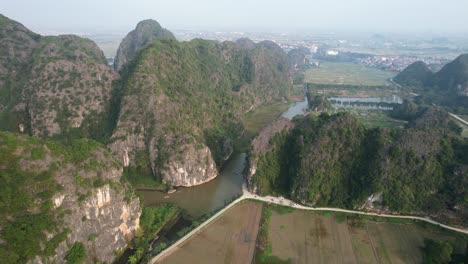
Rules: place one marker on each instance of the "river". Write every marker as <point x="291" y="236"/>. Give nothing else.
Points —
<point x="211" y="196"/>
<point x="206" y="197"/>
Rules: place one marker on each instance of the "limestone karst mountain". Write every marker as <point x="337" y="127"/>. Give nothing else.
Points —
<point x="145" y="32"/>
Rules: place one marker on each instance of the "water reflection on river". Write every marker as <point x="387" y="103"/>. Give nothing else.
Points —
<point x="366" y="103"/>
<point x="207" y="197"/>
<point x="394" y="99"/>
<point x="296" y="108"/>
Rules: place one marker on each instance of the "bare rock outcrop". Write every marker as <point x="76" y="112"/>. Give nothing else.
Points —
<point x="64" y="194"/>
<point x="192" y="165"/>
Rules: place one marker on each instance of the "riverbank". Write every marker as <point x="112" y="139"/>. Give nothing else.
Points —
<point x="288" y="203"/>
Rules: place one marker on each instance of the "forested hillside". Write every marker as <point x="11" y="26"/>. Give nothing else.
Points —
<point x="55" y="86"/>
<point x="447" y="87"/>
<point x="55" y="196"/>
<point x="335" y="161"/>
<point x="182" y="103"/>
<point x="175" y="112"/>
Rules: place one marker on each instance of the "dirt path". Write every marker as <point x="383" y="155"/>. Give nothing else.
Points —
<point x="281" y="201"/>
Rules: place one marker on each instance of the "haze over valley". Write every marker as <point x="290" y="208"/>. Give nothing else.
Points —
<point x="233" y="132"/>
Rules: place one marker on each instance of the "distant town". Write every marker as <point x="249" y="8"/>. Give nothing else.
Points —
<point x="390" y="53"/>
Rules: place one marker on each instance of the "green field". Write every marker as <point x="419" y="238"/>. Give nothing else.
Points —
<point x="377" y="118"/>
<point x="311" y="237"/>
<point x="263" y="115"/>
<point x="347" y="73"/>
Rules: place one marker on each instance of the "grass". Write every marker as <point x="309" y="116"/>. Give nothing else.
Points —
<point x="348" y="90"/>
<point x="254" y="121"/>
<point x="370" y="118"/>
<point x="463" y="126"/>
<point x="376" y="118"/>
<point x="465" y="133"/>
<point x="346" y="73"/>
<point x="144" y="181"/>
<point x="152" y="220"/>
<point x="334" y="237"/>
<point x="264" y="253"/>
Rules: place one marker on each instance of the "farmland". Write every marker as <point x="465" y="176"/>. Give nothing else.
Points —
<point x="261" y="116"/>
<point x="347" y="90"/>
<point x="347" y="73"/>
<point x="229" y="239"/>
<point x="308" y="237"/>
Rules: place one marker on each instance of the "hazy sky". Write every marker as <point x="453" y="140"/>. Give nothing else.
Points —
<point x="267" y="15"/>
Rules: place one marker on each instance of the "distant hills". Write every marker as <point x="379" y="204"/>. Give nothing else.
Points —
<point x="417" y="74"/>
<point x="452" y="78"/>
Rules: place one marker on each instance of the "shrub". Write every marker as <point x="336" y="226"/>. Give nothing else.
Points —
<point x="77" y="254"/>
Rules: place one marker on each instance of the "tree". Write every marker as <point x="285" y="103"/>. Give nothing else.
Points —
<point x="77" y="254"/>
<point x="436" y="252"/>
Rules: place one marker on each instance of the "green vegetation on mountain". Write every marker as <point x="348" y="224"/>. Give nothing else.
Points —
<point x="152" y="220"/>
<point x="318" y="102"/>
<point x="16" y="47"/>
<point x="447" y="87"/>
<point x="145" y="32"/>
<point x="336" y="161"/>
<point x="70" y="89"/>
<point x="34" y="174"/>
<point x="182" y="94"/>
<point x="54" y="86"/>
<point x="77" y="254"/>
<point x="298" y="58"/>
<point x="454" y="76"/>
<point x="415" y="75"/>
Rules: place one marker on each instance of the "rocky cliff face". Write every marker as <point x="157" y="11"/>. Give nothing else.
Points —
<point x="69" y="89"/>
<point x="53" y="86"/>
<point x="145" y="32"/>
<point x="189" y="97"/>
<point x="63" y="195"/>
<point x="297" y="57"/>
<point x="190" y="167"/>
<point x="17" y="44"/>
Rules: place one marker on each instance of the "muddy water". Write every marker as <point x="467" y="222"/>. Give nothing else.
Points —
<point x="296" y="108"/>
<point x="211" y="196"/>
<point x="205" y="198"/>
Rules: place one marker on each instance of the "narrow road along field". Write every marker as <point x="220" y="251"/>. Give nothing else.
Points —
<point x="285" y="202"/>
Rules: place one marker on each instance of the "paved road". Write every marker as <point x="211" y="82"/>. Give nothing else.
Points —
<point x="391" y="80"/>
<point x="459" y="119"/>
<point x="286" y="202"/>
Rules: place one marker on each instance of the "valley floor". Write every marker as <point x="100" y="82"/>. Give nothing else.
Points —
<point x="306" y="237"/>
<point x="367" y="241"/>
<point x="229" y="239"/>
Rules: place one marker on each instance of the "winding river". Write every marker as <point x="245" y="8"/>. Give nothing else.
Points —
<point x="211" y="196"/>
